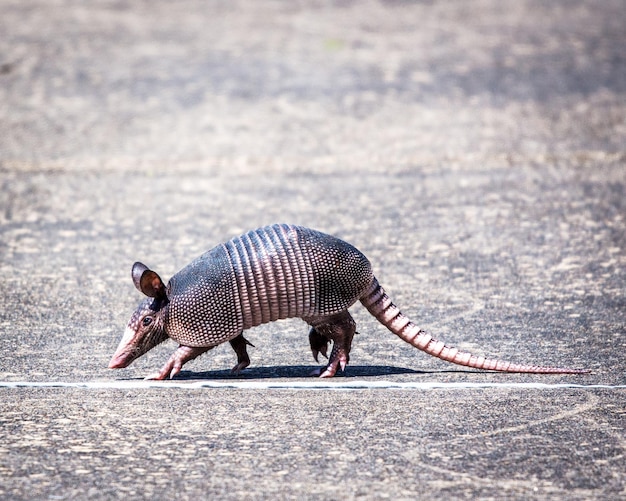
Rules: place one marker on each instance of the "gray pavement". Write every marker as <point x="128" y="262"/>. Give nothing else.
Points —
<point x="474" y="151"/>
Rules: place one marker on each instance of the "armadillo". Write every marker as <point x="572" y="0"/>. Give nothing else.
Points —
<point x="271" y="273"/>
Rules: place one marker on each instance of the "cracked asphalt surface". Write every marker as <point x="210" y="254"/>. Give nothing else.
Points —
<point x="474" y="151"/>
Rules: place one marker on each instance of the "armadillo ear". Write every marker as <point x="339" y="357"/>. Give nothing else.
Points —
<point x="136" y="272"/>
<point x="147" y="281"/>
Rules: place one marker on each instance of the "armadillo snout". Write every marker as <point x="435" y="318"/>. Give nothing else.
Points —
<point x="119" y="361"/>
<point x="127" y="351"/>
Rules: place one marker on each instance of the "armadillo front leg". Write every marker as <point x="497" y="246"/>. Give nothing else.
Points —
<point x="180" y="357"/>
<point x="340" y="329"/>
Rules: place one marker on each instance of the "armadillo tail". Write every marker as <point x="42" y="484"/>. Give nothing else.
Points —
<point x="378" y="304"/>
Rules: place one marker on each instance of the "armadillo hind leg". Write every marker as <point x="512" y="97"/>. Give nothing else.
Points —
<point x="180" y="357"/>
<point x="319" y="344"/>
<point x="340" y="329"/>
<point x="239" y="344"/>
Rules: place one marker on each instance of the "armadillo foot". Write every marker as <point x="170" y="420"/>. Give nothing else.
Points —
<point x="340" y="328"/>
<point x="339" y="357"/>
<point x="319" y="344"/>
<point x="239" y="344"/>
<point x="238" y="368"/>
<point x="180" y="357"/>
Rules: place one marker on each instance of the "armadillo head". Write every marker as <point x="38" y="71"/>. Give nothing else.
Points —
<point x="145" y="328"/>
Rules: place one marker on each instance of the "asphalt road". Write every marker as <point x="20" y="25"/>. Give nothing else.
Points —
<point x="474" y="151"/>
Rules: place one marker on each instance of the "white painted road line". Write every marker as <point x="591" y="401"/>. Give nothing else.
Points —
<point x="300" y="385"/>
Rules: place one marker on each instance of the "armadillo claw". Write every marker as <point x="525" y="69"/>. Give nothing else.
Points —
<point x="168" y="370"/>
<point x="319" y="344"/>
<point x="338" y="358"/>
<point x="332" y="368"/>
<point x="316" y="354"/>
<point x="329" y="372"/>
<point x="173" y="366"/>
<point x="239" y="367"/>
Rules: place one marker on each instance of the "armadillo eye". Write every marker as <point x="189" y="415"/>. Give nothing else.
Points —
<point x="146" y="321"/>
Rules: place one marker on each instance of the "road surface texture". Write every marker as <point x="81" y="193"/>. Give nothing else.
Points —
<point x="474" y="151"/>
